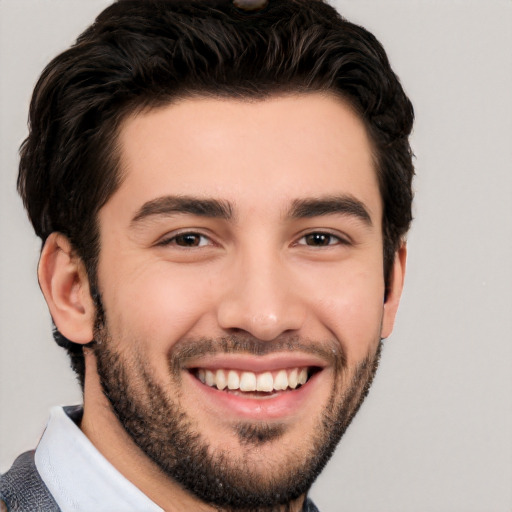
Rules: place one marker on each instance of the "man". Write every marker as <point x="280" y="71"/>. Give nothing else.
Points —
<point x="222" y="191"/>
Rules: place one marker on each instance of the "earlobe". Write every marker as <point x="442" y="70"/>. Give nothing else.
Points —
<point x="394" y="291"/>
<point x="65" y="286"/>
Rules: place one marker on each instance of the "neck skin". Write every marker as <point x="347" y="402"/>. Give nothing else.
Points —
<point x="103" y="429"/>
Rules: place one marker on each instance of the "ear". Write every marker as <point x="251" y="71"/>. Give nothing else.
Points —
<point x="394" y="294"/>
<point x="65" y="286"/>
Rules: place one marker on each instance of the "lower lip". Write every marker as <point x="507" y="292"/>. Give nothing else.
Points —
<point x="275" y="406"/>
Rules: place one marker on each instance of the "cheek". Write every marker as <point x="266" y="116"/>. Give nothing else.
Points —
<point x="154" y="306"/>
<point x="351" y="306"/>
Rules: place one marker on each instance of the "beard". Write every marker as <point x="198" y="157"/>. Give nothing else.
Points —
<point x="160" y="426"/>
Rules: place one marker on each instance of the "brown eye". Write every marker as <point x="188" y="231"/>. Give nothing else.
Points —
<point x="189" y="240"/>
<point x="320" y="239"/>
<point x="186" y="240"/>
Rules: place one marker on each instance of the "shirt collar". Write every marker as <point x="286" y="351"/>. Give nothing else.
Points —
<point x="78" y="476"/>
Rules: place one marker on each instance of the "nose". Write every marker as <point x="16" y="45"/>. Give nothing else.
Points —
<point x="262" y="299"/>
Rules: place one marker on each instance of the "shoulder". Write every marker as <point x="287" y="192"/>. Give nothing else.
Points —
<point x="22" y="490"/>
<point x="309" y="506"/>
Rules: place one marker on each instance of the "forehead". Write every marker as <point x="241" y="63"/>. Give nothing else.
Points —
<point x="243" y="151"/>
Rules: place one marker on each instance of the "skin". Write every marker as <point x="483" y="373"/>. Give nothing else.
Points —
<point x="256" y="273"/>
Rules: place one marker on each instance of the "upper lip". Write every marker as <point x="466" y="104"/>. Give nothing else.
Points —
<point x="256" y="364"/>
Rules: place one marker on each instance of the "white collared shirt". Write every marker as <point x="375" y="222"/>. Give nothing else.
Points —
<point x="79" y="478"/>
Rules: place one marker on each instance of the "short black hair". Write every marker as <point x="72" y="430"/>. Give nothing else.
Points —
<point x="140" y="54"/>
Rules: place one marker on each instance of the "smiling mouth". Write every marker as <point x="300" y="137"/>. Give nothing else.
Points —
<point x="265" y="383"/>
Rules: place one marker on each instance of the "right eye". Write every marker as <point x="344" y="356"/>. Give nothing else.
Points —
<point x="187" y="240"/>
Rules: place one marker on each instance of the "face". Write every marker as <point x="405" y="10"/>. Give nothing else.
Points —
<point x="241" y="277"/>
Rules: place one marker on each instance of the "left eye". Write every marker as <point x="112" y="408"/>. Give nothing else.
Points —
<point x="187" y="240"/>
<point x="319" y="239"/>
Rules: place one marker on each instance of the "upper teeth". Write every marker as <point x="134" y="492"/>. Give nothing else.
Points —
<point x="249" y="381"/>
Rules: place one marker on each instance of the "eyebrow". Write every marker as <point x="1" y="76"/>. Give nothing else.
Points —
<point x="344" y="205"/>
<point x="214" y="208"/>
<point x="168" y="205"/>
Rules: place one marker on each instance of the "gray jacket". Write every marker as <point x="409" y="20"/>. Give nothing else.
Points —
<point x="22" y="490"/>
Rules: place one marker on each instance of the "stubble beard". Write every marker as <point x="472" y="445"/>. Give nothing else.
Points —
<point x="161" y="428"/>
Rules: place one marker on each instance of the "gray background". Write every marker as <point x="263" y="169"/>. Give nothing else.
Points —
<point x="436" y="432"/>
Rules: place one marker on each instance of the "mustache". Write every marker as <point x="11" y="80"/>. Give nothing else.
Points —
<point x="187" y="350"/>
